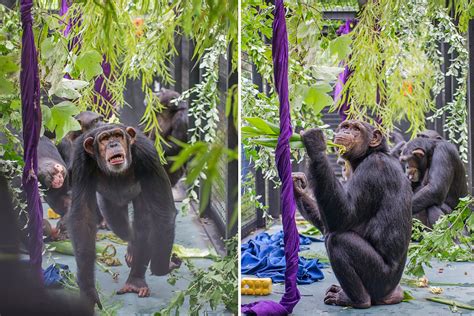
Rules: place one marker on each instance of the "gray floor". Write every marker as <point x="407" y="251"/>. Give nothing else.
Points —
<point x="311" y="302"/>
<point x="189" y="233"/>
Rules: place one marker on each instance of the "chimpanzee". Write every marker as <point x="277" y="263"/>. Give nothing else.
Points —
<point x="173" y="122"/>
<point x="437" y="175"/>
<point x="53" y="176"/>
<point x="112" y="166"/>
<point x="367" y="221"/>
<point x="429" y="133"/>
<point x="87" y="120"/>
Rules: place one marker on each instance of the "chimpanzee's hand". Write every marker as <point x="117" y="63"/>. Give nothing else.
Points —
<point x="314" y="141"/>
<point x="91" y="295"/>
<point x="300" y="183"/>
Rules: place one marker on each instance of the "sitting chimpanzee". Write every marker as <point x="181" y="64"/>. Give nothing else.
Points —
<point x="367" y="221"/>
<point x="437" y="175"/>
<point x="52" y="174"/>
<point x="112" y="166"/>
<point x="87" y="120"/>
<point x="173" y="121"/>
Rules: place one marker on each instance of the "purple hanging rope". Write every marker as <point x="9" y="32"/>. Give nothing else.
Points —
<point x="31" y="115"/>
<point x="345" y="28"/>
<point x="282" y="156"/>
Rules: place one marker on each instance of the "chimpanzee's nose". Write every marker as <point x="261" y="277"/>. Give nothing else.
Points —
<point x="113" y="144"/>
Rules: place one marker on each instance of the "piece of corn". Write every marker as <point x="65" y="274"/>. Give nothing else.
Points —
<point x="52" y="214"/>
<point x="256" y="286"/>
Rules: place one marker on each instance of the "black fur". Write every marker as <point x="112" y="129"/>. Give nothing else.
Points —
<point x="58" y="199"/>
<point x="368" y="221"/>
<point x="145" y="184"/>
<point x="442" y="178"/>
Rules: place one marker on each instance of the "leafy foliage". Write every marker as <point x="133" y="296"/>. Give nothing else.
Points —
<point x="451" y="239"/>
<point x="217" y="285"/>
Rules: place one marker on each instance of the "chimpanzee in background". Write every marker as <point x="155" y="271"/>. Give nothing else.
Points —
<point x="21" y="291"/>
<point x="437" y="175"/>
<point x="53" y="176"/>
<point x="87" y="120"/>
<point x="367" y="221"/>
<point x="173" y="122"/>
<point x="112" y="166"/>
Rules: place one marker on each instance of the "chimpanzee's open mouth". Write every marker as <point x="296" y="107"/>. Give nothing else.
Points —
<point x="117" y="159"/>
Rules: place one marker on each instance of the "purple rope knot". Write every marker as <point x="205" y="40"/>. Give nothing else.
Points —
<point x="26" y="16"/>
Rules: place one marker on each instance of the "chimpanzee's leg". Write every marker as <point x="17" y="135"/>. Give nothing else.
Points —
<point x="116" y="217"/>
<point x="139" y="251"/>
<point x="434" y="213"/>
<point x="364" y="276"/>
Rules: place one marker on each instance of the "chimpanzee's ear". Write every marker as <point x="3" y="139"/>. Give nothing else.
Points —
<point x="132" y="133"/>
<point x="89" y="145"/>
<point x="420" y="153"/>
<point x="376" y="138"/>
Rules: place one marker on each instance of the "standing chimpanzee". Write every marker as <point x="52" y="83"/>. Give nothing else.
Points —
<point x="87" y="120"/>
<point x="53" y="176"/>
<point x="112" y="166"/>
<point x="437" y="175"/>
<point x="173" y="121"/>
<point x="367" y="221"/>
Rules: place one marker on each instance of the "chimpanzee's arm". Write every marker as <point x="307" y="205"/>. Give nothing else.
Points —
<point x="337" y="207"/>
<point x="440" y="178"/>
<point x="309" y="209"/>
<point x="179" y="130"/>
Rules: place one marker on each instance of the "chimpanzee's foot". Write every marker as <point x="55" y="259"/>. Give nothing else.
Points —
<point x="175" y="262"/>
<point x="335" y="295"/>
<point x="393" y="298"/>
<point x="333" y="288"/>
<point x="135" y="285"/>
<point x="103" y="225"/>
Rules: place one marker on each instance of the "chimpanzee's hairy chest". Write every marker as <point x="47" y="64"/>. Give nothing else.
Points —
<point x="119" y="190"/>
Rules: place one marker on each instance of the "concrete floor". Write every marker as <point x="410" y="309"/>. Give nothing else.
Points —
<point x="312" y="295"/>
<point x="189" y="233"/>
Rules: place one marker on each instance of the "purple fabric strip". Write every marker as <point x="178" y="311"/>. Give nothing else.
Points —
<point x="282" y="156"/>
<point x="105" y="98"/>
<point x="99" y="85"/>
<point x="31" y="116"/>
<point x="345" y="28"/>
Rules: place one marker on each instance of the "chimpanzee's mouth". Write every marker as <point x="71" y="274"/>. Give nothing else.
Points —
<point x="117" y="159"/>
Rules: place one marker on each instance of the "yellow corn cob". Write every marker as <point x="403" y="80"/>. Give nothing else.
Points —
<point x="256" y="286"/>
<point x="52" y="214"/>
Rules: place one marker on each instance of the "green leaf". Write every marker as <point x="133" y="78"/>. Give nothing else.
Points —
<point x="317" y="98"/>
<point x="63" y="120"/>
<point x="69" y="89"/>
<point x="261" y="125"/>
<point x="90" y="63"/>
<point x="8" y="64"/>
<point x="6" y="86"/>
<point x="47" y="48"/>
<point x="341" y="46"/>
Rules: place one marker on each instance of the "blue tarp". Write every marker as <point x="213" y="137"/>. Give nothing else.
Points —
<point x="264" y="257"/>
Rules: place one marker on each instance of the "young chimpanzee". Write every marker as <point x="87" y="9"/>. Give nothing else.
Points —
<point x="437" y="175"/>
<point x="87" y="120"/>
<point x="368" y="221"/>
<point x="112" y="166"/>
<point x="52" y="174"/>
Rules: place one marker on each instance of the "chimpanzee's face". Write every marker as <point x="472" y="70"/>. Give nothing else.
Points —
<point x="415" y="163"/>
<point x="356" y="137"/>
<point x="51" y="174"/>
<point x="112" y="149"/>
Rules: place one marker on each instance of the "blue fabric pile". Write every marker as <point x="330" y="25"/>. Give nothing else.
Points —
<point x="264" y="257"/>
<point x="52" y="275"/>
